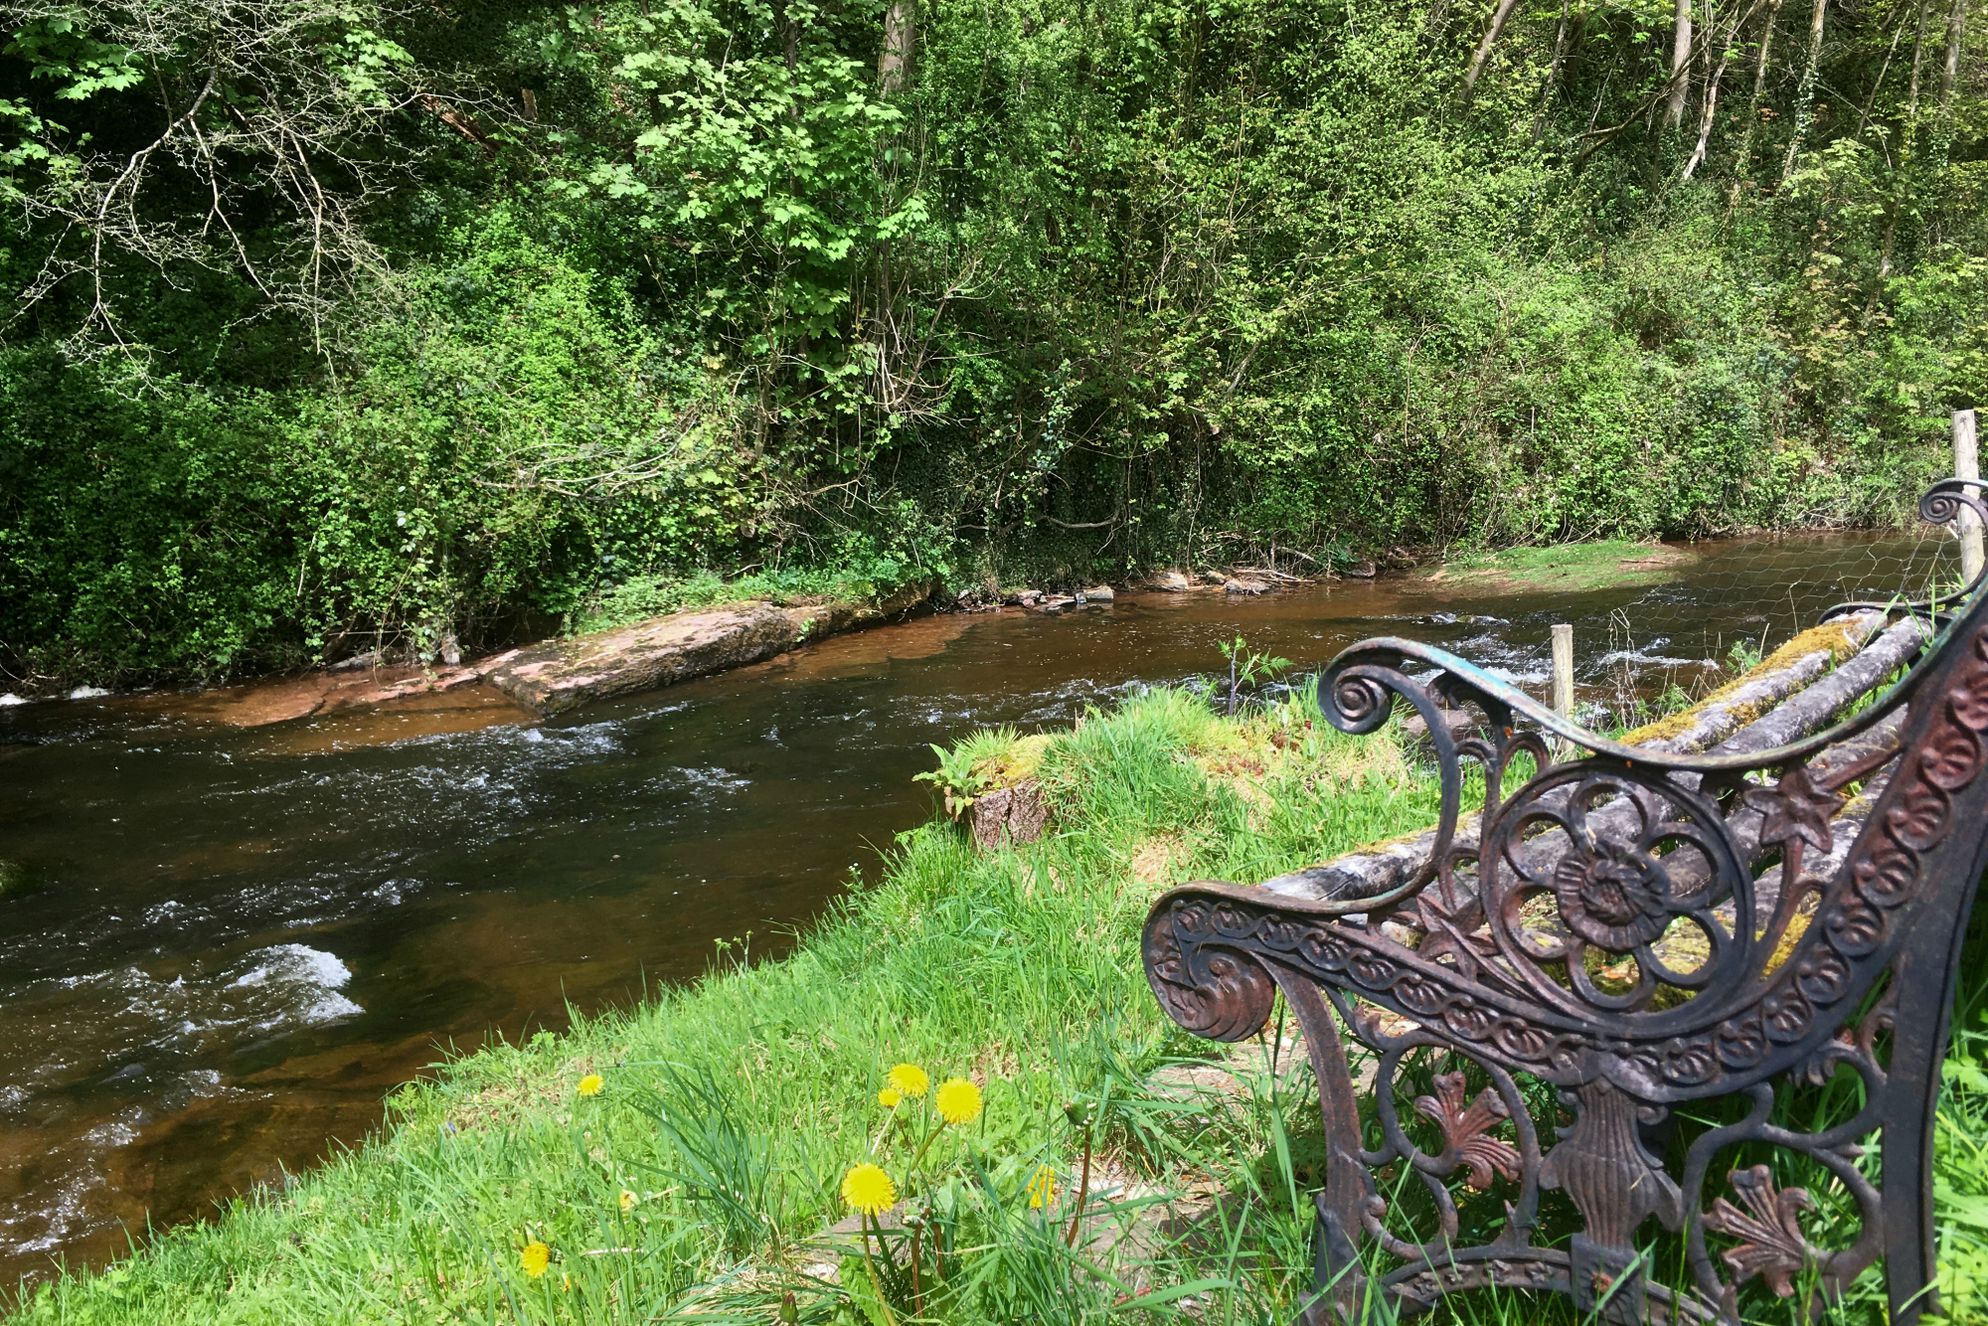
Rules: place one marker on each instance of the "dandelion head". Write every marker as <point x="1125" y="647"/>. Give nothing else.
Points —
<point x="591" y="1084"/>
<point x="890" y="1098"/>
<point x="628" y="1200"/>
<point x="1042" y="1188"/>
<point x="868" y="1190"/>
<point x="958" y="1100"/>
<point x="534" y="1258"/>
<point x="908" y="1080"/>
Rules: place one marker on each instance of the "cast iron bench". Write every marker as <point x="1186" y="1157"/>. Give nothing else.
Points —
<point x="1628" y="1027"/>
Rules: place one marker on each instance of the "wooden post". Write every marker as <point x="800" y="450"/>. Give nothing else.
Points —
<point x="1563" y="676"/>
<point x="1967" y="465"/>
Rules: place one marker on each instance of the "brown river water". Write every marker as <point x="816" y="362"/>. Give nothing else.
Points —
<point x="220" y="947"/>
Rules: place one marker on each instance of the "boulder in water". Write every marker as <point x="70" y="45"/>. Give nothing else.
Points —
<point x="564" y="674"/>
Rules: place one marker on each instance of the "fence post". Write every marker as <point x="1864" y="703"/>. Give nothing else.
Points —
<point x="1563" y="675"/>
<point x="1967" y="465"/>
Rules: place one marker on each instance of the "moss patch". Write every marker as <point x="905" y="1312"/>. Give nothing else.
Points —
<point x="1565" y="567"/>
<point x="1837" y="638"/>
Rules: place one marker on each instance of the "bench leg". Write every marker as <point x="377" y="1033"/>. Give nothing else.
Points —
<point x="1345" y="1295"/>
<point x="1918" y="1047"/>
<point x="1927" y="974"/>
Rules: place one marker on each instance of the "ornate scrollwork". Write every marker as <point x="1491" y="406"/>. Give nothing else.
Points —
<point x="1213" y="991"/>
<point x="1943" y="502"/>
<point x="1467" y="1129"/>
<point x="1612" y="888"/>
<point x="1767" y="1226"/>
<point x="1599" y="929"/>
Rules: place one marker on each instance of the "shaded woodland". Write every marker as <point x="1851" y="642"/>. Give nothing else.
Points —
<point x="332" y="325"/>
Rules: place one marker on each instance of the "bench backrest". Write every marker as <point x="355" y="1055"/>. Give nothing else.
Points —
<point x="1709" y="1036"/>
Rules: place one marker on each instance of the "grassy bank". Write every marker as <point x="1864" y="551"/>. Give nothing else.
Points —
<point x="1567" y="567"/>
<point x="681" y="1161"/>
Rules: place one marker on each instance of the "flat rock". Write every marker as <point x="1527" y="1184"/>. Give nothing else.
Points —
<point x="1100" y="594"/>
<point x="1170" y="582"/>
<point x="311" y="694"/>
<point x="563" y="674"/>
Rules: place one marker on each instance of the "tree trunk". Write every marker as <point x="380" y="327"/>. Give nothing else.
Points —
<point x="1680" y="66"/>
<point x="1805" y="98"/>
<point x="790" y="35"/>
<point x="1553" y="69"/>
<point x="1911" y="130"/>
<point x="1709" y="110"/>
<point x="1483" y="55"/>
<point x="1909" y="137"/>
<point x="1956" y="30"/>
<point x="1745" y="155"/>
<point x="900" y="38"/>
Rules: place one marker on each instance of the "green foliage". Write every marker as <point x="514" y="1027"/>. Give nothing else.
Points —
<point x="136" y="523"/>
<point x="1249" y="669"/>
<point x="983" y="761"/>
<point x="644" y="596"/>
<point x="502" y="448"/>
<point x="566" y="307"/>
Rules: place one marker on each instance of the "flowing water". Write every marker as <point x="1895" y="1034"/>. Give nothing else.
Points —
<point x="220" y="947"/>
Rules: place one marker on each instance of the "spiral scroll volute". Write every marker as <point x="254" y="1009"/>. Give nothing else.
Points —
<point x="1357" y="692"/>
<point x="1942" y="503"/>
<point x="1210" y="988"/>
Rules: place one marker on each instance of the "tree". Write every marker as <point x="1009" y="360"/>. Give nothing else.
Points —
<point x="149" y="140"/>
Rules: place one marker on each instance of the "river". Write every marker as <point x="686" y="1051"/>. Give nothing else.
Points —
<point x="221" y="947"/>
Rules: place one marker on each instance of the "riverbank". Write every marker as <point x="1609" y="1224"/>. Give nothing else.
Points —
<point x="655" y="633"/>
<point x="703" y="626"/>
<point x="684" y="1159"/>
<point x="1016" y="969"/>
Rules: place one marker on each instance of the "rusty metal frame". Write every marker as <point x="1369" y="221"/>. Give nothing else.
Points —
<point x="1843" y="976"/>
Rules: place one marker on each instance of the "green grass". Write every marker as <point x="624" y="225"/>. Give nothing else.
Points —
<point x="695" y="1186"/>
<point x="1566" y="566"/>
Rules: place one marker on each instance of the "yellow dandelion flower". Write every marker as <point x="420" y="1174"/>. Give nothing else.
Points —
<point x="958" y="1100"/>
<point x="909" y="1080"/>
<point x="591" y="1084"/>
<point x="534" y="1258"/>
<point x="628" y="1200"/>
<point x="1042" y="1188"/>
<point x="866" y="1188"/>
<point x="890" y="1098"/>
